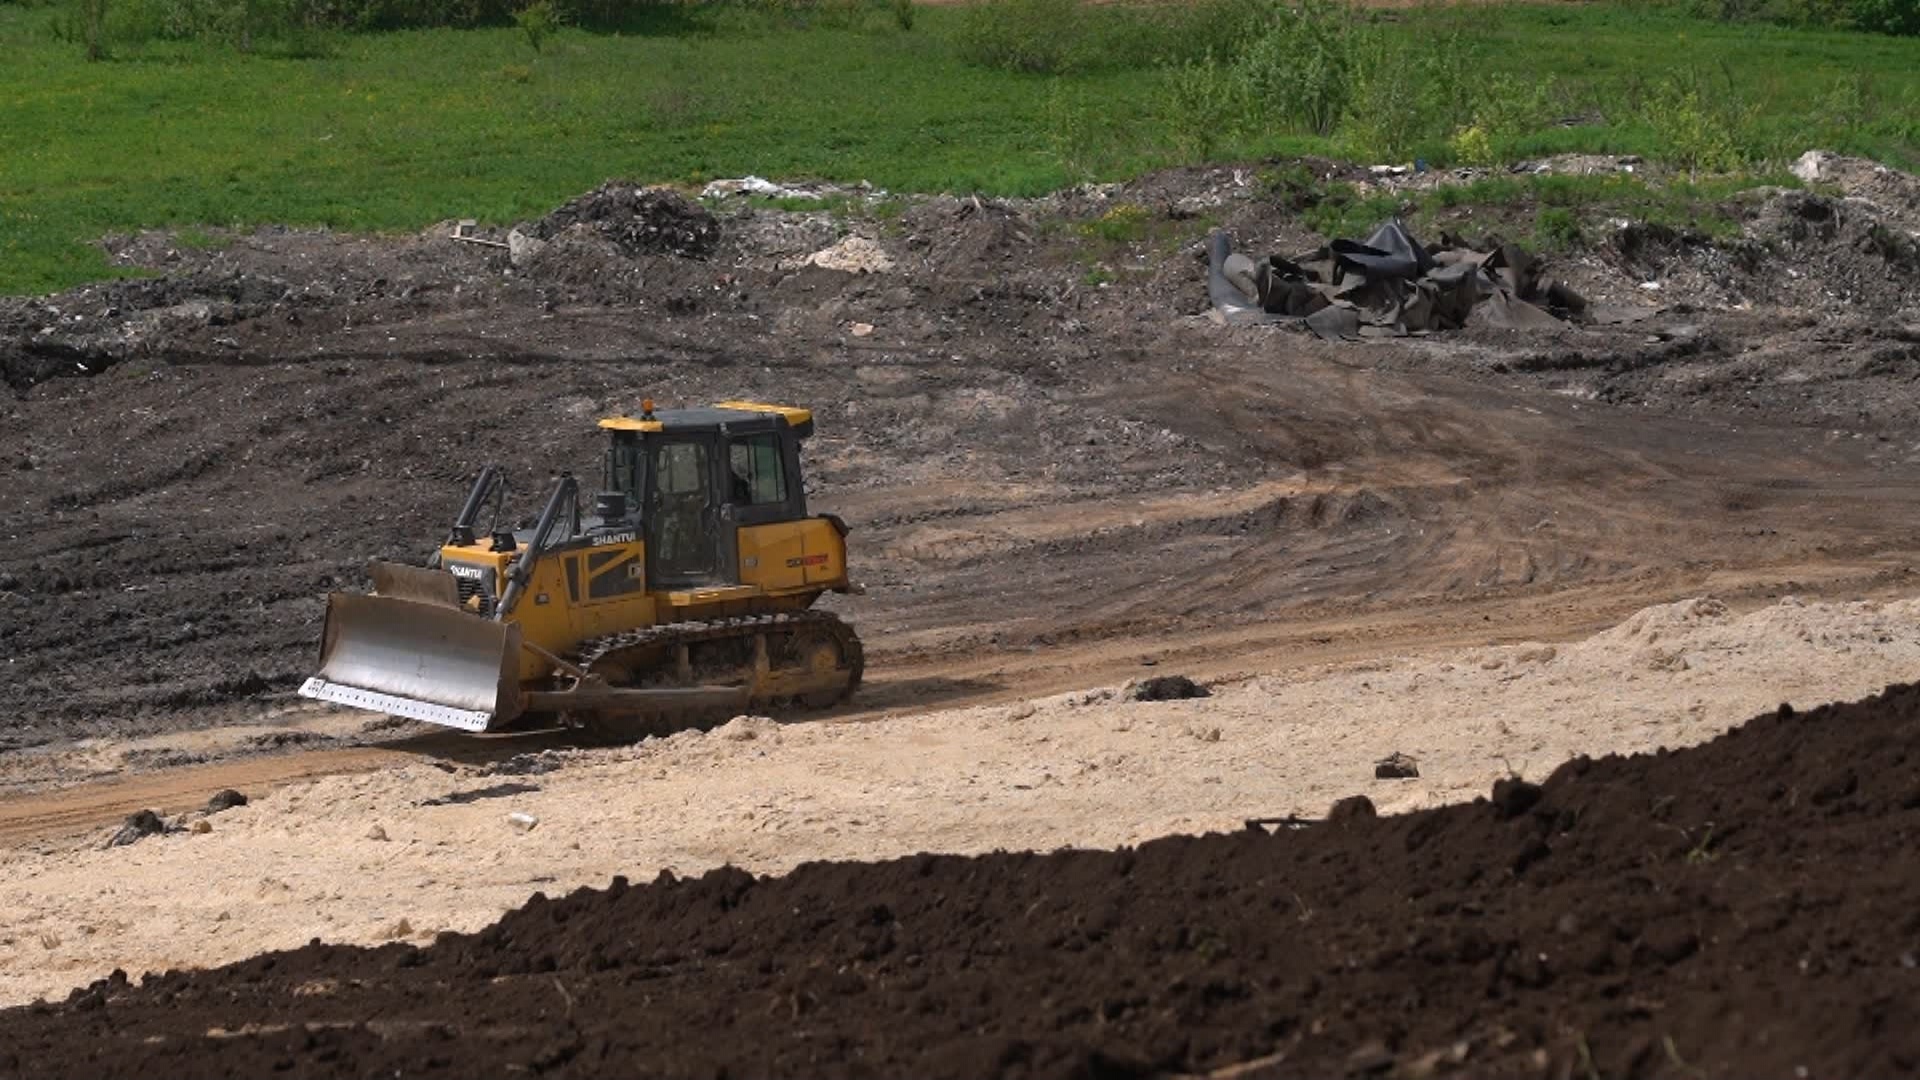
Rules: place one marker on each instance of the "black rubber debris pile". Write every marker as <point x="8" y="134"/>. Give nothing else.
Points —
<point x="1750" y="907"/>
<point x="1389" y="285"/>
<point x="638" y="220"/>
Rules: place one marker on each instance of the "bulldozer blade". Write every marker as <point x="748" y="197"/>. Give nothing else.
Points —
<point x="418" y="659"/>
<point x="403" y="582"/>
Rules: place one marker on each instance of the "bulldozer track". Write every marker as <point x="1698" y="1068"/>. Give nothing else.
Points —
<point x="600" y="656"/>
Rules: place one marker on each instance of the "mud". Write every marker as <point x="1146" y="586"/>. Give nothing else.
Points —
<point x="1736" y="909"/>
<point x="1041" y="441"/>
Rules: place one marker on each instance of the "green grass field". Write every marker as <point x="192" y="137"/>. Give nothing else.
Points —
<point x="393" y="131"/>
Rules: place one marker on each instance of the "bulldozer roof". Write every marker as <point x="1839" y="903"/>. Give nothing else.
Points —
<point x="718" y="415"/>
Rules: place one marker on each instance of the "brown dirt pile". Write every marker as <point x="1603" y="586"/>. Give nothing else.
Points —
<point x="1738" y="909"/>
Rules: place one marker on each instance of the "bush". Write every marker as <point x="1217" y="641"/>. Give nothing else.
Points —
<point x="1207" y="104"/>
<point x="1886" y="16"/>
<point x="1697" y="131"/>
<point x="1899" y="17"/>
<point x="538" y="21"/>
<point x="1407" y="91"/>
<point x="1036" y="36"/>
<point x="1302" y="67"/>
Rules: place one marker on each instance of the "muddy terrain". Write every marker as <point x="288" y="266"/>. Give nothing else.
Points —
<point x="1066" y="473"/>
<point x="1742" y="908"/>
<point x="1038" y="433"/>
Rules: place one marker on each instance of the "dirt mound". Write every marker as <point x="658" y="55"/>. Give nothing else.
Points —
<point x="1738" y="908"/>
<point x="639" y="220"/>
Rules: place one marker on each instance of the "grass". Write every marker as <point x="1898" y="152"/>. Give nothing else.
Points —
<point x="394" y="131"/>
<point x="1561" y="205"/>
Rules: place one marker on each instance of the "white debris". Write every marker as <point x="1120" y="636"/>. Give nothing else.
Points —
<point x="745" y="185"/>
<point x="522" y="820"/>
<point x="855" y="254"/>
<point x="521" y="247"/>
<point x="1812" y="166"/>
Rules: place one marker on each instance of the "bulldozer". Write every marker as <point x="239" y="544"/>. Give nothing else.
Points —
<point x="685" y="593"/>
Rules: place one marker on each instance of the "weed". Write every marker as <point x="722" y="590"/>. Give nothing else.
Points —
<point x="1033" y="36"/>
<point x="902" y="13"/>
<point x="1557" y="229"/>
<point x="538" y="21"/>
<point x="1124" y="223"/>
<point x="1207" y="107"/>
<point x="1302" y="70"/>
<point x="1472" y="145"/>
<point x="200" y="240"/>
<point x="1697" y="132"/>
<point x="1703" y="852"/>
<point x="516" y="73"/>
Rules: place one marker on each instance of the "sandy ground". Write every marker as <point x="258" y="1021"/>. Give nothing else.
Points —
<point x="366" y="858"/>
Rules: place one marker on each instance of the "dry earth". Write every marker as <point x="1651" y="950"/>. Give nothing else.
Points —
<point x="371" y="857"/>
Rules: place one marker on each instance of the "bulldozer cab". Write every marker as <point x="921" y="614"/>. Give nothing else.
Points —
<point x="698" y="476"/>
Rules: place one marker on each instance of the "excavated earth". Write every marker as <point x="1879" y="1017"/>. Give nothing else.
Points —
<point x="1038" y="434"/>
<point x="1058" y="468"/>
<point x="1742" y="908"/>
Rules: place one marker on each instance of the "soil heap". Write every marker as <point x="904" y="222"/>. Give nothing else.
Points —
<point x="1741" y="908"/>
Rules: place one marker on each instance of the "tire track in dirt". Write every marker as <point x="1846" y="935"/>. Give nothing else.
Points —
<point x="967" y="674"/>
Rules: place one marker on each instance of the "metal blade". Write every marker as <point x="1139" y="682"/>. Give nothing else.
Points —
<point x="403" y="582"/>
<point x="418" y="659"/>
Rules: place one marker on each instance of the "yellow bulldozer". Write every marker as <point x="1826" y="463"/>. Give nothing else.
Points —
<point x="684" y="592"/>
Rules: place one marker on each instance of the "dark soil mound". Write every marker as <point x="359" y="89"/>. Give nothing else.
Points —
<point x="640" y="220"/>
<point x="1745" y="908"/>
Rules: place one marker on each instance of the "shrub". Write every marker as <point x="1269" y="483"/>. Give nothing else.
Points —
<point x="538" y="21"/>
<point x="1557" y="228"/>
<point x="1695" y="131"/>
<point x="1207" y="104"/>
<point x="1035" y="36"/>
<point x="1302" y="67"/>
<point x="1472" y="146"/>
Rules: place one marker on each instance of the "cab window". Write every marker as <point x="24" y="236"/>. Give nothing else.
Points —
<point x="758" y="471"/>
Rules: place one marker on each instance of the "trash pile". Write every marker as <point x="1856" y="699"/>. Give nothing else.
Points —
<point x="1388" y="285"/>
<point x="638" y="220"/>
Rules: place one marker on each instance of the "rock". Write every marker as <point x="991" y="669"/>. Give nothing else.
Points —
<point x="376" y="833"/>
<point x="522" y="820"/>
<point x="1369" y="1058"/>
<point x="201" y="827"/>
<point x="398" y="930"/>
<point x="1513" y="796"/>
<point x="1352" y="808"/>
<point x="1166" y="688"/>
<point x="225" y="800"/>
<point x="1396" y="766"/>
<point x="747" y="728"/>
<point x="860" y="329"/>
<point x="138" y="827"/>
<point x="521" y="248"/>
